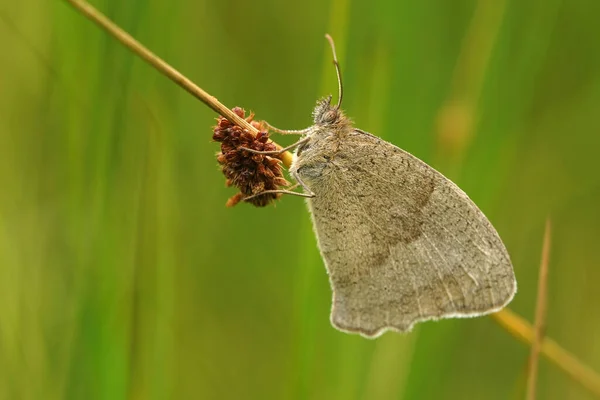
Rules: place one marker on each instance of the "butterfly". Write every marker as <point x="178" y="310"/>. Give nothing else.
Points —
<point x="401" y="243"/>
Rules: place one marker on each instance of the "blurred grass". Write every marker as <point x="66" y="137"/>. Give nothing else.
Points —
<point x="122" y="275"/>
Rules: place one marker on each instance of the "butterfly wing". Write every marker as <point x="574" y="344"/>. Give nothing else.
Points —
<point x="401" y="243"/>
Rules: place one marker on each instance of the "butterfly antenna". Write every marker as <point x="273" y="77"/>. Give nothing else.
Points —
<point x="337" y="70"/>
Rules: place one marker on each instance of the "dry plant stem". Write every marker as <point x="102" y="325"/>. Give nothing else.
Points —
<point x="522" y="330"/>
<point x="540" y="315"/>
<point x="128" y="41"/>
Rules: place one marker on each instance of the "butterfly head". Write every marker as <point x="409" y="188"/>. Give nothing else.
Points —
<point x="326" y="114"/>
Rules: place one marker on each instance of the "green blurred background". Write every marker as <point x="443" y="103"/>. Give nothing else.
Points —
<point x="123" y="275"/>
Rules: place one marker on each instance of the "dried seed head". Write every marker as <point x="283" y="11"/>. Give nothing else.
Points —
<point x="250" y="172"/>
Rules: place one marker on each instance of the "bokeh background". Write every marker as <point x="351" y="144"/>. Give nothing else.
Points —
<point x="123" y="275"/>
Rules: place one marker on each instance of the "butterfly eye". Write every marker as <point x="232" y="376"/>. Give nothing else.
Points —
<point x="330" y="116"/>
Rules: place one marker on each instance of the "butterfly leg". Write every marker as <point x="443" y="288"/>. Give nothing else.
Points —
<point x="281" y="191"/>
<point x="277" y="152"/>
<point x="301" y="183"/>
<point x="309" y="193"/>
<point x="286" y="131"/>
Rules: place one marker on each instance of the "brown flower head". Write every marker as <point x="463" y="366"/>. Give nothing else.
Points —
<point x="250" y="172"/>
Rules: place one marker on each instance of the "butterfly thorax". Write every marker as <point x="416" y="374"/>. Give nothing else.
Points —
<point x="326" y="137"/>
